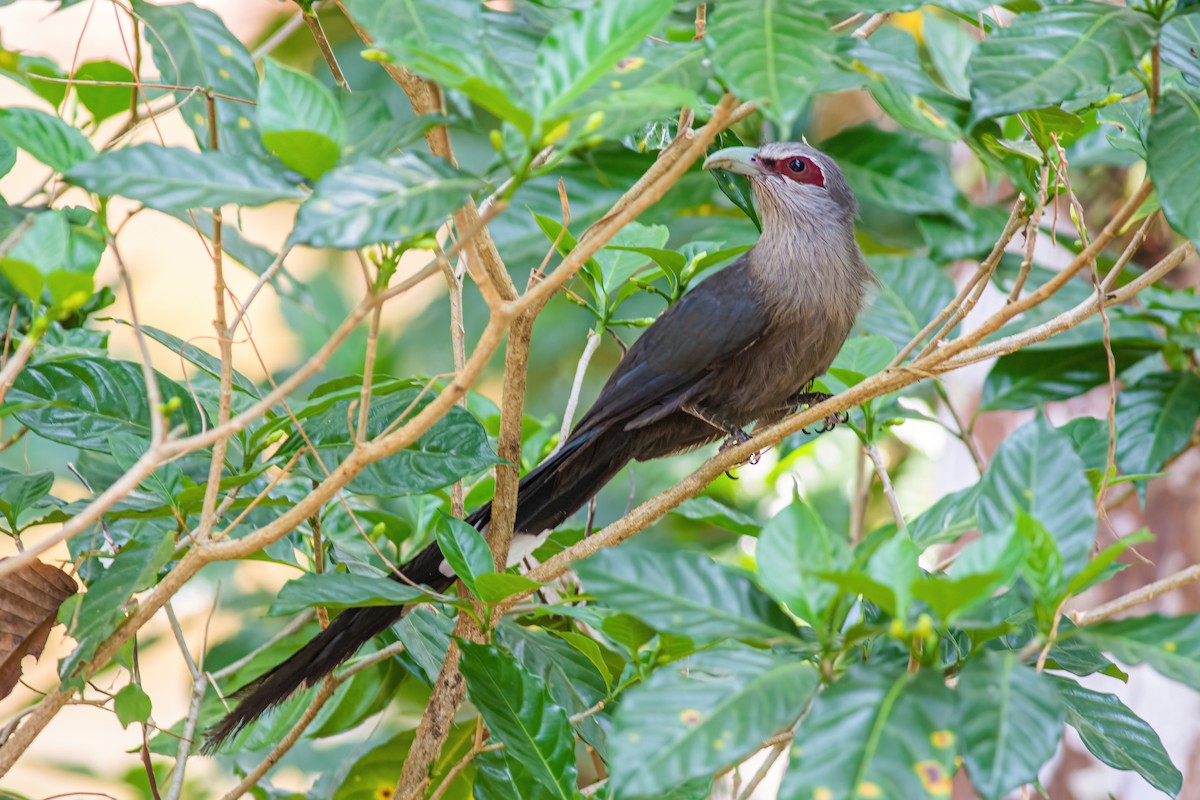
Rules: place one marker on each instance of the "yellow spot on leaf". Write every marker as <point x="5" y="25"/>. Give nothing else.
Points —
<point x="630" y="64"/>
<point x="910" y="21"/>
<point x="384" y="793"/>
<point x="198" y="118"/>
<point x="869" y="790"/>
<point x="941" y="739"/>
<point x="927" y="111"/>
<point x="933" y="778"/>
<point x="822" y="793"/>
<point x="1170" y="647"/>
<point x="225" y="50"/>
<point x="690" y="716"/>
<point x="224" y="73"/>
<point x="244" y="123"/>
<point x="719" y="744"/>
<point x="615" y="84"/>
<point x="633" y="737"/>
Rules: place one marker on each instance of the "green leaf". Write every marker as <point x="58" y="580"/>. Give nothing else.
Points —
<point x="1042" y="565"/>
<point x="1011" y="721"/>
<point x="1173" y="155"/>
<point x="464" y="548"/>
<point x="894" y="565"/>
<point x="714" y="512"/>
<point x="174" y="179"/>
<point x="586" y="45"/>
<point x="456" y="445"/>
<point x="1047" y="57"/>
<point x="685" y="593"/>
<point x="499" y="777"/>
<point x="131" y="704"/>
<point x="1102" y="560"/>
<point x="1171" y="645"/>
<point x="1037" y="471"/>
<point x="893" y="171"/>
<point x="517" y="712"/>
<point x="193" y="48"/>
<point x="495" y="587"/>
<point x="373" y="776"/>
<point x="1117" y="736"/>
<point x="756" y="52"/>
<point x="337" y="590"/>
<point x="792" y="549"/>
<point x="947" y="519"/>
<point x="911" y="291"/>
<point x="372" y="201"/>
<point x="859" y="358"/>
<point x="1155" y="420"/>
<point x="875" y="732"/>
<point x="45" y="137"/>
<point x="1029" y="378"/>
<point x="56" y="255"/>
<point x="21" y="491"/>
<point x="572" y="665"/>
<point x="102" y="608"/>
<point x="1180" y="42"/>
<point x="205" y="361"/>
<point x="104" y="101"/>
<point x="83" y="401"/>
<point x="949" y="597"/>
<point x="696" y="716"/>
<point x="300" y="120"/>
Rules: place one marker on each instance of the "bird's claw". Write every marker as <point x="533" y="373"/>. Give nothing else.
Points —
<point x="811" y="399"/>
<point x="738" y="436"/>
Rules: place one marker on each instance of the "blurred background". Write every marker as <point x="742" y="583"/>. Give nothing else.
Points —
<point x="172" y="281"/>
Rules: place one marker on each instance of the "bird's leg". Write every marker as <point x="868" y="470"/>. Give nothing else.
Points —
<point x="736" y="435"/>
<point x="810" y="398"/>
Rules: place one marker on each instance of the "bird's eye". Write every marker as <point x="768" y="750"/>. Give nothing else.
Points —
<point x="796" y="165"/>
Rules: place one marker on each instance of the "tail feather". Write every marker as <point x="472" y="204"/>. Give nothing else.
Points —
<point x="349" y="631"/>
<point x="549" y="494"/>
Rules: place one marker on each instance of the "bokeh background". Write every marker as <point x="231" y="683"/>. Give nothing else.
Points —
<point x="172" y="283"/>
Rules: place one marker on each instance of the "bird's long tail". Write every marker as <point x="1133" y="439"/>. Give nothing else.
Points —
<point x="548" y="495"/>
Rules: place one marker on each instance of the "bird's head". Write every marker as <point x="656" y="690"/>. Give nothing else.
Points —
<point x="793" y="181"/>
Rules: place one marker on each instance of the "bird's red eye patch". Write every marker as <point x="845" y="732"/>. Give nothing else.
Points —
<point x="800" y="169"/>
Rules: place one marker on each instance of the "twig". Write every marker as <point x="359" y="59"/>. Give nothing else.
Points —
<point x="985" y="269"/>
<point x="225" y="349"/>
<point x="318" y="33"/>
<point x="328" y="686"/>
<point x="1138" y="596"/>
<point x="1031" y="233"/>
<point x="873" y="24"/>
<point x="768" y="762"/>
<point x="585" y="358"/>
<point x="886" y="482"/>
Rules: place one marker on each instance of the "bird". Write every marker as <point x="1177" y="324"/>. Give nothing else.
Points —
<point x="741" y="347"/>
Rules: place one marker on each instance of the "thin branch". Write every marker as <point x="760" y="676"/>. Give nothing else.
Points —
<point x="768" y="762"/>
<point x="328" y="686"/>
<point x="225" y="349"/>
<point x="873" y="24"/>
<point x="585" y="358"/>
<point x="318" y="33"/>
<point x="985" y="269"/>
<point x="1137" y="597"/>
<point x="886" y="482"/>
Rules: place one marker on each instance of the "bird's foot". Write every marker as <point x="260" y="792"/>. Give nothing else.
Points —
<point x="738" y="436"/>
<point x="811" y="399"/>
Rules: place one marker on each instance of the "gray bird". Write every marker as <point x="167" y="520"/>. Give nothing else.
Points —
<point x="741" y="347"/>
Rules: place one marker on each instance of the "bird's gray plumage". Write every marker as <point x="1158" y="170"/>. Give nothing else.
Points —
<point x="738" y="348"/>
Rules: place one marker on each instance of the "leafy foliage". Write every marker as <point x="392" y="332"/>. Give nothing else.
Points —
<point x="804" y="610"/>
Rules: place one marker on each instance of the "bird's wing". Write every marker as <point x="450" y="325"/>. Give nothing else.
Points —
<point x="712" y="322"/>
